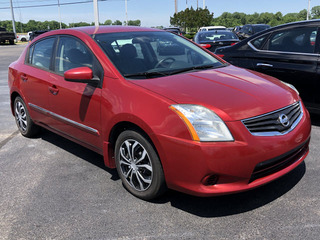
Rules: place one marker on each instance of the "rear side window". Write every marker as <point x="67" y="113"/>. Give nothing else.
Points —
<point x="300" y="40"/>
<point x="40" y="53"/>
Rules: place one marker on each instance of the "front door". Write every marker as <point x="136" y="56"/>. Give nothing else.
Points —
<point x="75" y="107"/>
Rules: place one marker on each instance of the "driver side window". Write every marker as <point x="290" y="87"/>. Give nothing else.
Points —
<point x="72" y="53"/>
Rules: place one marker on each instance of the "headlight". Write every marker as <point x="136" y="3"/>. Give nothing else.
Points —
<point x="290" y="86"/>
<point x="203" y="124"/>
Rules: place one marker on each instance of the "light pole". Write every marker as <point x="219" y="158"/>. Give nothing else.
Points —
<point x="13" y="22"/>
<point x="126" y="13"/>
<point x="308" y="9"/>
<point x="176" y="6"/>
<point x="59" y="13"/>
<point x="96" y="13"/>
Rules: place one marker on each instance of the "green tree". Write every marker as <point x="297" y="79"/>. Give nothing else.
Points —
<point x="134" y="23"/>
<point x="108" y="22"/>
<point x="79" y="24"/>
<point x="190" y="18"/>
<point x="117" y="22"/>
<point x="315" y="12"/>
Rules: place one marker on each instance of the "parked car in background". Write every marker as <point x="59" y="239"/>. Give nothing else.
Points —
<point x="174" y="30"/>
<point x="237" y="29"/>
<point x="210" y="28"/>
<point x="23" y="38"/>
<point x="217" y="38"/>
<point x="176" y="118"/>
<point x="6" y="36"/>
<point x="34" y="34"/>
<point x="250" y="29"/>
<point x="288" y="52"/>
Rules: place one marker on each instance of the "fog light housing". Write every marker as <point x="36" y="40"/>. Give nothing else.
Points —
<point x="210" y="180"/>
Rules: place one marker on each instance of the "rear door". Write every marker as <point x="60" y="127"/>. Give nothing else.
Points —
<point x="290" y="55"/>
<point x="35" y="78"/>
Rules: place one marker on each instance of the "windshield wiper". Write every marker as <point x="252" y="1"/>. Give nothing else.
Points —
<point x="145" y="74"/>
<point x="192" y="68"/>
<point x="167" y="73"/>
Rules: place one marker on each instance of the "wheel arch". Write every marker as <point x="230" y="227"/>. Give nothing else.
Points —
<point x="13" y="96"/>
<point x="116" y="130"/>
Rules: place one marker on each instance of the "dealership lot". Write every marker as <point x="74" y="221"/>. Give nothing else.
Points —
<point x="55" y="189"/>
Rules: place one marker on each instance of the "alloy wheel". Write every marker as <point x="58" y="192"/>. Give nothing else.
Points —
<point x="135" y="165"/>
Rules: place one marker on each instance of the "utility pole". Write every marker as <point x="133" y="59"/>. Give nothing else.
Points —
<point x="13" y="22"/>
<point x="59" y="13"/>
<point x="96" y="13"/>
<point x="186" y="4"/>
<point x="308" y="9"/>
<point x="204" y="4"/>
<point x="126" y="12"/>
<point x="197" y="4"/>
<point x="176" y="6"/>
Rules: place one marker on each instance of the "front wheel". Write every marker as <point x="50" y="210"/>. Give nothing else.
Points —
<point x="138" y="166"/>
<point x="25" y="124"/>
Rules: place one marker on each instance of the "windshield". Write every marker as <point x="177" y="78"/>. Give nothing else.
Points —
<point x="153" y="54"/>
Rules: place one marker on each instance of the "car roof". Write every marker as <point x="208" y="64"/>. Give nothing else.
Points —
<point x="105" y="29"/>
<point x="172" y="28"/>
<point x="111" y="29"/>
<point x="91" y="30"/>
<point x="212" y="27"/>
<point x="260" y="24"/>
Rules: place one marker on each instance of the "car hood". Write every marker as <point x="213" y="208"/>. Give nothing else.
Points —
<point x="231" y="92"/>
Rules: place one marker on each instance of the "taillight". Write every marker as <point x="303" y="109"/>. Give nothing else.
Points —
<point x="220" y="55"/>
<point x="205" y="45"/>
<point x="234" y="43"/>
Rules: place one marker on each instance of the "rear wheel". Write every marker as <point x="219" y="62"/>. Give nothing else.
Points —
<point x="138" y="166"/>
<point x="25" y="124"/>
<point x="11" y="42"/>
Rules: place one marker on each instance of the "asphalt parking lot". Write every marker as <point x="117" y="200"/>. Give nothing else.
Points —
<point x="51" y="188"/>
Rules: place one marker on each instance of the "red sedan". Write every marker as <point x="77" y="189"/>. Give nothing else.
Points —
<point x="162" y="110"/>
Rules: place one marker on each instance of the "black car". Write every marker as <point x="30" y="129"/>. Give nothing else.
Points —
<point x="35" y="34"/>
<point x="174" y="30"/>
<point x="289" y="52"/>
<point x="214" y="39"/>
<point x="250" y="29"/>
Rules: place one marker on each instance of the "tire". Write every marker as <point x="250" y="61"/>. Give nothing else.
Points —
<point x="11" y="42"/>
<point x="142" y="173"/>
<point x="25" y="124"/>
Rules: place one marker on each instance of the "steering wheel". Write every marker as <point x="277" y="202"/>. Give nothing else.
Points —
<point x="166" y="61"/>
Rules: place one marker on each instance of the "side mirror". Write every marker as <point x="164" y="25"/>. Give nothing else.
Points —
<point x="81" y="75"/>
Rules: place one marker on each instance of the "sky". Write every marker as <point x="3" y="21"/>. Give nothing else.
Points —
<point x="151" y="12"/>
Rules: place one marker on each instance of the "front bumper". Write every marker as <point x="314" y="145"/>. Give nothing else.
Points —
<point x="248" y="162"/>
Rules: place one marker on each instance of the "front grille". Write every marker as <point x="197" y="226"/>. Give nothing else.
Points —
<point x="275" y="123"/>
<point x="276" y="164"/>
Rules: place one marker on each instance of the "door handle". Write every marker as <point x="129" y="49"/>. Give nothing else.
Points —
<point x="54" y="90"/>
<point x="24" y="77"/>
<point x="264" y="65"/>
